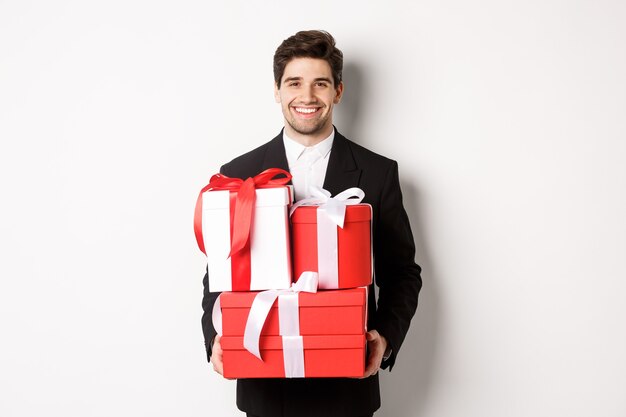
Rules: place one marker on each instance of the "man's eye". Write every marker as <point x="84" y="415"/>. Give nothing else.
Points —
<point x="294" y="84"/>
<point x="320" y="84"/>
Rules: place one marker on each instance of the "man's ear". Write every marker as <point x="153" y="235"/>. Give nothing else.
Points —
<point x="276" y="93"/>
<point x="338" y="93"/>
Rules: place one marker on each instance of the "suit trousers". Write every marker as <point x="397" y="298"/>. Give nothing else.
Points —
<point x="252" y="415"/>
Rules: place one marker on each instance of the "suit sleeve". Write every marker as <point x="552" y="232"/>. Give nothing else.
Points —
<point x="397" y="275"/>
<point x="208" y="300"/>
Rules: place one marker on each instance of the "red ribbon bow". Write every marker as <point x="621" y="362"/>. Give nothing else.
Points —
<point x="244" y="203"/>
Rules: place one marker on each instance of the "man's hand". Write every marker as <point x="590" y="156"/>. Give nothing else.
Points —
<point x="376" y="345"/>
<point x="216" y="356"/>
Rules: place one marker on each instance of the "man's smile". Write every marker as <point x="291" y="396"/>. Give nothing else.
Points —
<point x="306" y="111"/>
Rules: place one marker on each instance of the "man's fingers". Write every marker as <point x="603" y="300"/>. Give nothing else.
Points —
<point x="372" y="335"/>
<point x="376" y="351"/>
<point x="218" y="366"/>
<point x="218" y="369"/>
<point x="216" y="357"/>
<point x="371" y="369"/>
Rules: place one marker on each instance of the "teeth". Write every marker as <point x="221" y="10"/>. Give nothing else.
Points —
<point x="305" y="110"/>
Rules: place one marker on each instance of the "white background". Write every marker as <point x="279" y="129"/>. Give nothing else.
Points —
<point x="507" y="119"/>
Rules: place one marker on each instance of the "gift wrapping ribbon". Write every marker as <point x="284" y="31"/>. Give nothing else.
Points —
<point x="288" y="322"/>
<point x="241" y="212"/>
<point x="331" y="214"/>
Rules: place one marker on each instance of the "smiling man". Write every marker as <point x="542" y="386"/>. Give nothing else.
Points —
<point x="307" y="94"/>
<point x="308" y="84"/>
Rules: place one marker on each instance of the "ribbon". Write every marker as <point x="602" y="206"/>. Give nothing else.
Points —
<point x="331" y="214"/>
<point x="242" y="202"/>
<point x="335" y="207"/>
<point x="289" y="322"/>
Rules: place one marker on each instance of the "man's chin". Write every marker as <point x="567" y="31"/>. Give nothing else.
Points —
<point x="307" y="130"/>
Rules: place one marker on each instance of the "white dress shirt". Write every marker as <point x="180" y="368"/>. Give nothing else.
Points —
<point x="307" y="164"/>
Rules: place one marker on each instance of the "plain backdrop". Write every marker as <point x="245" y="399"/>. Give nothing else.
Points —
<point x="507" y="119"/>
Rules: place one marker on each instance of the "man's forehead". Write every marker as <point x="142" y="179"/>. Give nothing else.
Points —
<point x="307" y="68"/>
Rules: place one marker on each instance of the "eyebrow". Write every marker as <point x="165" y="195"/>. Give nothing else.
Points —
<point x="300" y="79"/>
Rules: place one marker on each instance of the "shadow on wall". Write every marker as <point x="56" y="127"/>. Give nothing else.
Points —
<point x="348" y="111"/>
<point x="405" y="390"/>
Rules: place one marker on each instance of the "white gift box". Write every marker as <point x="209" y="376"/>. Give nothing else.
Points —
<point x="270" y="259"/>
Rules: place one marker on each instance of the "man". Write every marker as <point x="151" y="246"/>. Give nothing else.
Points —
<point x="308" y="84"/>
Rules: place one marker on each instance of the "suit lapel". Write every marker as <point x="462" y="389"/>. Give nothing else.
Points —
<point x="342" y="171"/>
<point x="275" y="156"/>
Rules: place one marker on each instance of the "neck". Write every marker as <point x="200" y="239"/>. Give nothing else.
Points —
<point x="308" y="140"/>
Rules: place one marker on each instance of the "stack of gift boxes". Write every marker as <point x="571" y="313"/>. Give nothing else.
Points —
<point x="293" y="277"/>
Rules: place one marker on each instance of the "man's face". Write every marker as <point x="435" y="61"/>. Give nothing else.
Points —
<point x="307" y="95"/>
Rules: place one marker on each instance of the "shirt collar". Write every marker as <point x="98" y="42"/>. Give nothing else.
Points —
<point x="294" y="149"/>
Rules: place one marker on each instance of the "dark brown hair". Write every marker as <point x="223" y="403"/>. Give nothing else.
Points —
<point x="309" y="44"/>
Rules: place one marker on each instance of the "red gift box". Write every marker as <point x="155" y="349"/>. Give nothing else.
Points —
<point x="321" y="313"/>
<point x="324" y="356"/>
<point x="331" y="328"/>
<point x="353" y="251"/>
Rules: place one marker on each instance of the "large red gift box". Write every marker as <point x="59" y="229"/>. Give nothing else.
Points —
<point x="324" y="357"/>
<point x="353" y="251"/>
<point x="332" y="326"/>
<point x="325" y="312"/>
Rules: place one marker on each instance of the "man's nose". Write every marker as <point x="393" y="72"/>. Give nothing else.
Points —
<point x="307" y="95"/>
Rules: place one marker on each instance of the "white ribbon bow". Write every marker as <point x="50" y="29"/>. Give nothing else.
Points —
<point x="334" y="207"/>
<point x="289" y="322"/>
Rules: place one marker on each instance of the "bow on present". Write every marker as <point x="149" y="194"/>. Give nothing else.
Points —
<point x="334" y="207"/>
<point x="288" y="322"/>
<point x="331" y="212"/>
<point x="244" y="203"/>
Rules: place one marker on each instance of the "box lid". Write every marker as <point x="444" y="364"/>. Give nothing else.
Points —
<point x="355" y="213"/>
<point x="265" y="197"/>
<point x="349" y="297"/>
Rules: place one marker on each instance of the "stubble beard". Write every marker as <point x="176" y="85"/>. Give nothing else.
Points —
<point x="308" y="128"/>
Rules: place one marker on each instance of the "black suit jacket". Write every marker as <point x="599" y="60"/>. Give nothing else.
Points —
<point x="396" y="275"/>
